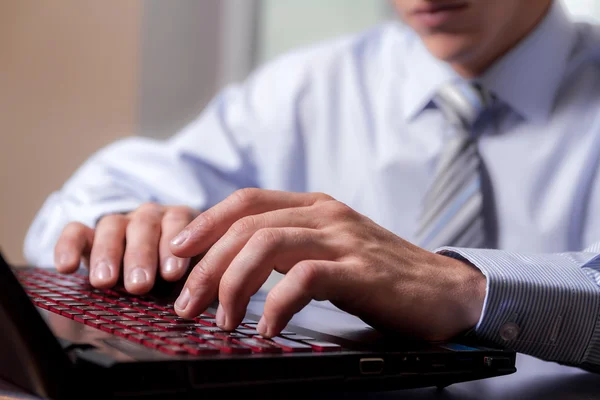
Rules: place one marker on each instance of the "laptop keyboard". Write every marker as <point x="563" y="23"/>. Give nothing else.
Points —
<point x="153" y="324"/>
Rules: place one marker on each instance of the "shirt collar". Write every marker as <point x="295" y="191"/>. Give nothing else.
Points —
<point x="526" y="78"/>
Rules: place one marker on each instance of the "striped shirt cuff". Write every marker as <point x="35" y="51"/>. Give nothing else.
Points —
<point x="544" y="305"/>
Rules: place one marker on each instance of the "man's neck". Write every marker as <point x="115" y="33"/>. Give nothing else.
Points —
<point x="479" y="63"/>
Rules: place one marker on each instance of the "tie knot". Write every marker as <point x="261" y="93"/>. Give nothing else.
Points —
<point x="463" y="102"/>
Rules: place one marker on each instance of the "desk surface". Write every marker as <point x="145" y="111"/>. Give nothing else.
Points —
<point x="535" y="379"/>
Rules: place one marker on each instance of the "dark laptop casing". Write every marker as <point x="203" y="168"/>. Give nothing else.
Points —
<point x="57" y="358"/>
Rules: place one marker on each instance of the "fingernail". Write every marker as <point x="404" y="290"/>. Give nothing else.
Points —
<point x="171" y="265"/>
<point x="138" y="276"/>
<point x="220" y="317"/>
<point x="183" y="299"/>
<point x="180" y="239"/>
<point x="174" y="265"/>
<point x="262" y="326"/>
<point x="102" y="272"/>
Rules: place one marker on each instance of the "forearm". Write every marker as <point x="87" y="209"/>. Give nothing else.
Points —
<point x="545" y="305"/>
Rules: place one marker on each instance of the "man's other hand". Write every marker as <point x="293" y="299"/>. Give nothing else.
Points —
<point x="327" y="251"/>
<point x="134" y="244"/>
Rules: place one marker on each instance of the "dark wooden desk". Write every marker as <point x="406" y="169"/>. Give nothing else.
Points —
<point x="534" y="380"/>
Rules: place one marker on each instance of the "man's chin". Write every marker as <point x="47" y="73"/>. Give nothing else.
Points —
<point x="452" y="49"/>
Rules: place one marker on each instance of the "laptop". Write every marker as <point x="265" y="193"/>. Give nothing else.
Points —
<point x="61" y="338"/>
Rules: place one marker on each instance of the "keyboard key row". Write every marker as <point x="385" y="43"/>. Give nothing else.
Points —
<point x="156" y="325"/>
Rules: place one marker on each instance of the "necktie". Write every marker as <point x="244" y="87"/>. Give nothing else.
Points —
<point x="453" y="206"/>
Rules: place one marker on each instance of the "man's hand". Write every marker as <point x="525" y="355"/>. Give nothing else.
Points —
<point x="137" y="242"/>
<point x="327" y="252"/>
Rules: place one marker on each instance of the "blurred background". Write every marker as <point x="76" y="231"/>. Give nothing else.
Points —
<point x="76" y="75"/>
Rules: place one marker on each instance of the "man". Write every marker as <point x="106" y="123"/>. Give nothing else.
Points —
<point x="434" y="178"/>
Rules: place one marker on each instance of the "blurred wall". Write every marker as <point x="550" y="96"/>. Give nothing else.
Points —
<point x="68" y="80"/>
<point x="190" y="49"/>
<point x="288" y="24"/>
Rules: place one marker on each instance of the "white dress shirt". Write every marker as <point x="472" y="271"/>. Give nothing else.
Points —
<point x="352" y="117"/>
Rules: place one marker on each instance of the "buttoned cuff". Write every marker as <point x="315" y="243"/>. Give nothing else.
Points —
<point x="544" y="305"/>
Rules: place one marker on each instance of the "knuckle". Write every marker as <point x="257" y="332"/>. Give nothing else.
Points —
<point x="112" y="220"/>
<point x="244" y="225"/>
<point x="321" y="197"/>
<point x="205" y="222"/>
<point x="273" y="298"/>
<point x="307" y="273"/>
<point x="147" y="222"/>
<point x="246" y="196"/>
<point x="178" y="213"/>
<point x="336" y="210"/>
<point x="267" y="237"/>
<point x="149" y="208"/>
<point x="201" y="276"/>
<point x="73" y="229"/>
<point x="228" y="289"/>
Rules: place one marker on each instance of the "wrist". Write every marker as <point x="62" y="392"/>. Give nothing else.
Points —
<point x="469" y="292"/>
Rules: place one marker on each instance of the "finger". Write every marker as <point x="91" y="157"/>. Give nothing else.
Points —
<point x="172" y="268"/>
<point x="73" y="245"/>
<point x="203" y="283"/>
<point x="280" y="247"/>
<point x="141" y="252"/>
<point x="205" y="230"/>
<point x="306" y="281"/>
<point x="107" y="253"/>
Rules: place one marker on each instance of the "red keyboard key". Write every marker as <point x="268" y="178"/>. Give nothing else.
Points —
<point x="138" y="315"/>
<point x="287" y="345"/>
<point x="175" y="327"/>
<point x="42" y="304"/>
<point x="165" y="334"/>
<point x="230" y="335"/>
<point x="207" y="321"/>
<point x="258" y="346"/>
<point x="147" y="329"/>
<point x="200" y="349"/>
<point x="108" y="328"/>
<point x="124" y="332"/>
<point x="181" y="341"/>
<point x="159" y="314"/>
<point x="200" y="337"/>
<point x="248" y="331"/>
<point x="82" y="318"/>
<point x="99" y="313"/>
<point x="152" y="343"/>
<point x="73" y="303"/>
<point x="95" y="322"/>
<point x="111" y="318"/>
<point x="323" y="346"/>
<point x="172" y="349"/>
<point x="70" y="314"/>
<point x="130" y="323"/>
<point x="209" y="329"/>
<point x="229" y="347"/>
<point x="139" y="338"/>
<point x="124" y="310"/>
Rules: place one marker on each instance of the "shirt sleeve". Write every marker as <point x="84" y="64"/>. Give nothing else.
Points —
<point x="544" y="305"/>
<point x="200" y="165"/>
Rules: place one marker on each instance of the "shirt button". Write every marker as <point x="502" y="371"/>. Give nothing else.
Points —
<point x="509" y="331"/>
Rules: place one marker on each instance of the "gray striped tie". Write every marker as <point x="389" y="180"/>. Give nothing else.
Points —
<point x="453" y="206"/>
